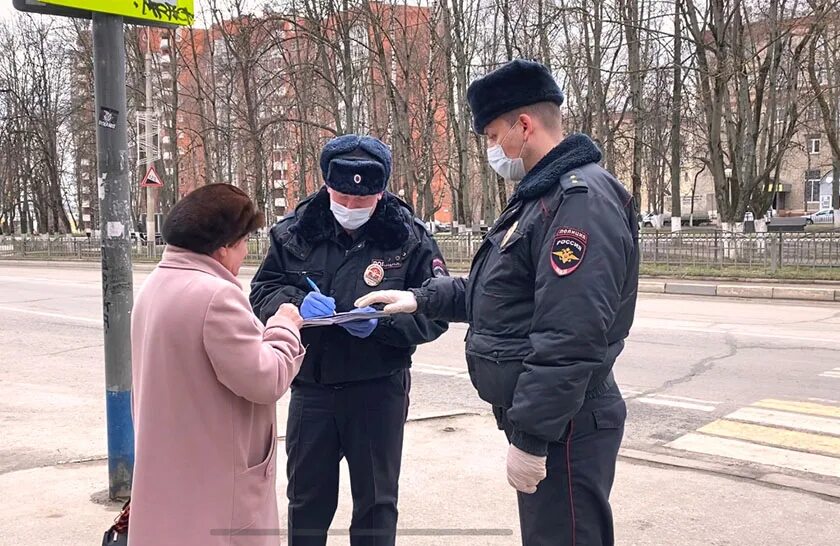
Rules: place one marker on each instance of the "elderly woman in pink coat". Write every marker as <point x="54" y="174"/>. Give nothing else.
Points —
<point x="206" y="376"/>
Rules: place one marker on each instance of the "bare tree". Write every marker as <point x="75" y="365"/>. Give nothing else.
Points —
<point x="823" y="70"/>
<point x="457" y="21"/>
<point x="748" y="80"/>
<point x="676" y="120"/>
<point x="34" y="72"/>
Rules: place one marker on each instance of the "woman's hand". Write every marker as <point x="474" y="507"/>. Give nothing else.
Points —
<point x="286" y="311"/>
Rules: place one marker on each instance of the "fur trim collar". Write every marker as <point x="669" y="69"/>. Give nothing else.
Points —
<point x="575" y="151"/>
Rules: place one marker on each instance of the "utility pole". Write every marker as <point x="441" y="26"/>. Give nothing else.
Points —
<point x="151" y="209"/>
<point x="115" y="201"/>
<point x="115" y="206"/>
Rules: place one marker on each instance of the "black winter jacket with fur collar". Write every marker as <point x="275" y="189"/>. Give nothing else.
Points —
<point x="307" y="243"/>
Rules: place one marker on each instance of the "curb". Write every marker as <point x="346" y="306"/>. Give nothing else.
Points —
<point x="773" y="479"/>
<point x="742" y="280"/>
<point x="740" y="291"/>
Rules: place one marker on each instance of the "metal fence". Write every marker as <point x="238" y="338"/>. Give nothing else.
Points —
<point x="713" y="249"/>
<point x="458" y="250"/>
<point x="68" y="248"/>
<point x="88" y="249"/>
<point x="718" y="249"/>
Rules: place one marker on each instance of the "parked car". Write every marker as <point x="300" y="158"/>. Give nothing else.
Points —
<point x="438" y="227"/>
<point x="823" y="216"/>
<point x="647" y="219"/>
<point x="141" y="236"/>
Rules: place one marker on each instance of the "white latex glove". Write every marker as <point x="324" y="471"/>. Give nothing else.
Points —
<point x="398" y="301"/>
<point x="524" y="471"/>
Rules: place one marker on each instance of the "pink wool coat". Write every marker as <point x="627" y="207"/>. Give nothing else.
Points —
<point x="206" y="376"/>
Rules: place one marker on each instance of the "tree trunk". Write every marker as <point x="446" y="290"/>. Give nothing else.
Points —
<point x="631" y="19"/>
<point x="676" y="122"/>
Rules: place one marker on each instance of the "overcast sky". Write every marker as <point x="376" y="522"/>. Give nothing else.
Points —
<point x="5" y="8"/>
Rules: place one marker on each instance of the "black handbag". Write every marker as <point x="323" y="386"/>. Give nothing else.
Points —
<point x="117" y="534"/>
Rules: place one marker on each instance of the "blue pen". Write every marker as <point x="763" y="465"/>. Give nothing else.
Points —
<point x="313" y="285"/>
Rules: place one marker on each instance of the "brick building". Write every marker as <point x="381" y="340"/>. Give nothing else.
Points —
<point x="296" y="111"/>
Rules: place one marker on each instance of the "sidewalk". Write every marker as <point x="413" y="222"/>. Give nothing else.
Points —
<point x="453" y="479"/>
<point x="728" y="289"/>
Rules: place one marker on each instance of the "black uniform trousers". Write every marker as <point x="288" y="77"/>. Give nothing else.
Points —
<point x="571" y="506"/>
<point x="362" y="422"/>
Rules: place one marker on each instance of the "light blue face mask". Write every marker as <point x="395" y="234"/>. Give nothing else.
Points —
<point x="507" y="168"/>
<point x="351" y="219"/>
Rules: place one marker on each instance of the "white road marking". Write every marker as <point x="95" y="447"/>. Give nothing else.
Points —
<point x="674" y="403"/>
<point x="686" y="398"/>
<point x="432" y="372"/>
<point x="630" y="392"/>
<point x="755" y="453"/>
<point x="835" y="375"/>
<point x="785" y="419"/>
<point x="434" y="369"/>
<point x="827" y="400"/>
<point x="51" y="315"/>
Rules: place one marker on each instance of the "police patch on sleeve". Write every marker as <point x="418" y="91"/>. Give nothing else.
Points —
<point x="568" y="250"/>
<point x="439" y="268"/>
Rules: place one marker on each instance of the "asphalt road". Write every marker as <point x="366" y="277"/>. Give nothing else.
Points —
<point x="752" y="387"/>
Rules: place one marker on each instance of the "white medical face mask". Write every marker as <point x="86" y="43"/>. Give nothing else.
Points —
<point x="351" y="219"/>
<point x="507" y="168"/>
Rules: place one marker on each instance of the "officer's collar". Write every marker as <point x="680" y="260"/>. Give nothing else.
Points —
<point x="386" y="228"/>
<point x="575" y="151"/>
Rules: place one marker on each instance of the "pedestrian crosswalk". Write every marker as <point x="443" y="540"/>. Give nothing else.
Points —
<point x="797" y="435"/>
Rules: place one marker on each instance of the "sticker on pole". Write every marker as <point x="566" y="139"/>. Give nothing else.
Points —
<point x="108" y="117"/>
<point x="151" y="180"/>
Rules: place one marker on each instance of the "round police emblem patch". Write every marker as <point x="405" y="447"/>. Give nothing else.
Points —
<point x="374" y="274"/>
<point x="568" y="250"/>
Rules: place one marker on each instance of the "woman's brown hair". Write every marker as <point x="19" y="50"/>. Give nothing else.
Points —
<point x="211" y="217"/>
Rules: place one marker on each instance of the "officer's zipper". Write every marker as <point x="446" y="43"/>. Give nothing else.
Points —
<point x="347" y="253"/>
<point x="503" y="219"/>
<point x="355" y="248"/>
<point x="500" y="223"/>
<point x="362" y="244"/>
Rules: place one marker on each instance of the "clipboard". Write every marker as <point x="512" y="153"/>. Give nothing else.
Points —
<point x="342" y="318"/>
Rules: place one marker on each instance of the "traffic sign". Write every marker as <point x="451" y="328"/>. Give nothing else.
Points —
<point x="34" y="6"/>
<point x="151" y="180"/>
<point x="172" y="12"/>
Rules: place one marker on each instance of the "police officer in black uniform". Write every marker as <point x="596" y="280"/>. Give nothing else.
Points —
<point x="350" y="398"/>
<point x="550" y="299"/>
